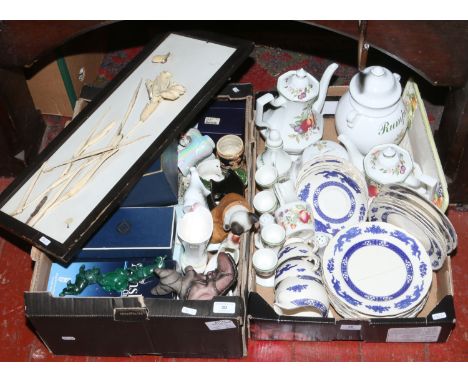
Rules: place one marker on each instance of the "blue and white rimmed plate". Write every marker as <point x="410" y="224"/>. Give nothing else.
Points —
<point x="384" y="210"/>
<point x="337" y="194"/>
<point x="377" y="269"/>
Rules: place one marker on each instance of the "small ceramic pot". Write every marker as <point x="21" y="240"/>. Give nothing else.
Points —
<point x="230" y="149"/>
<point x="299" y="268"/>
<point x="265" y="202"/>
<point x="273" y="236"/>
<point x="297" y="220"/>
<point x="266" y="176"/>
<point x="298" y="249"/>
<point x="294" y="293"/>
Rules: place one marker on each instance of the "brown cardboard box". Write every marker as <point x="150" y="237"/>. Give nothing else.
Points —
<point x="48" y="86"/>
<point x="437" y="319"/>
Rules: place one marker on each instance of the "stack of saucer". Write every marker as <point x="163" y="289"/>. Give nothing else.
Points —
<point x="408" y="210"/>
<point x="376" y="269"/>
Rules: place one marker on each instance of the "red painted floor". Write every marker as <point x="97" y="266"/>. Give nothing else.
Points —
<point x="19" y="343"/>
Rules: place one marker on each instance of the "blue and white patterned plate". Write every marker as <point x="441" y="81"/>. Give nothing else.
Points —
<point x="337" y="194"/>
<point x="385" y="211"/>
<point x="377" y="269"/>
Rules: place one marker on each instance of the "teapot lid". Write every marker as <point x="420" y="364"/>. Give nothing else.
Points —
<point x="298" y="85"/>
<point x="375" y="87"/>
<point x="388" y="163"/>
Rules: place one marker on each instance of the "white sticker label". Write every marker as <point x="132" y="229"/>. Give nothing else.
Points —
<point x="235" y="90"/>
<point x="190" y="311"/>
<point x="212" y="121"/>
<point x="439" y="316"/>
<point x="220" y="325"/>
<point x="44" y="240"/>
<point x="68" y="338"/>
<point x="419" y="334"/>
<point x="224" y="307"/>
<point x="350" y="327"/>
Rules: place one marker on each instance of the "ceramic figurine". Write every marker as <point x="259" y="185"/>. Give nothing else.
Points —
<point x="197" y="147"/>
<point x="210" y="169"/>
<point x="117" y="280"/>
<point x="232" y="183"/>
<point x="234" y="214"/>
<point x="372" y="111"/>
<point x="197" y="286"/>
<point x="275" y="156"/>
<point x="297" y="114"/>
<point x="196" y="192"/>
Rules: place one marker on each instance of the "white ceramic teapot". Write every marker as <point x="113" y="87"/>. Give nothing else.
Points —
<point x="297" y="114"/>
<point x="372" y="112"/>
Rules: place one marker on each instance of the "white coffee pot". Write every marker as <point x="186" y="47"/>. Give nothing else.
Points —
<point x="372" y="112"/>
<point x="297" y="109"/>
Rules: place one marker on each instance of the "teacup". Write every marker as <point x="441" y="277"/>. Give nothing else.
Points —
<point x="266" y="176"/>
<point x="306" y="295"/>
<point x="273" y="236"/>
<point x="298" y="249"/>
<point x="265" y="202"/>
<point x="302" y="269"/>
<point x="264" y="261"/>
<point x="297" y="219"/>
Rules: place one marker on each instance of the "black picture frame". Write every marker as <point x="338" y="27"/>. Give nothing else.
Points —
<point x="64" y="252"/>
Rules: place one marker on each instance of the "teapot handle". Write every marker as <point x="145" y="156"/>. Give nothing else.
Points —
<point x="260" y="105"/>
<point x="352" y="118"/>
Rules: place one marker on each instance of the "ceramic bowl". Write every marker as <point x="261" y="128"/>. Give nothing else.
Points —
<point x="299" y="268"/>
<point x="264" y="261"/>
<point x="265" y="202"/>
<point x="297" y="249"/>
<point x="266" y="176"/>
<point x="293" y="293"/>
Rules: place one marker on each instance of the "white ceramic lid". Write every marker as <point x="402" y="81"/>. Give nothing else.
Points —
<point x="298" y="85"/>
<point x="388" y="163"/>
<point x="375" y="87"/>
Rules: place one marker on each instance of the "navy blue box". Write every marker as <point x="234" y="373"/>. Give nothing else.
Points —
<point x="159" y="186"/>
<point x="133" y="232"/>
<point x="223" y="117"/>
<point x="60" y="275"/>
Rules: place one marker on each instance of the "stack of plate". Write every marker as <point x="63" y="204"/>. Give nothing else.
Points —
<point x="337" y="192"/>
<point x="408" y="210"/>
<point x="376" y="269"/>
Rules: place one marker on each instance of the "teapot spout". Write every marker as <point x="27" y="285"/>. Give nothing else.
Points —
<point x="356" y="157"/>
<point x="323" y="87"/>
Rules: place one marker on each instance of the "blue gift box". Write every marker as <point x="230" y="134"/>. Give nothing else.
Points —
<point x="60" y="275"/>
<point x="159" y="185"/>
<point x="133" y="232"/>
<point x="223" y="117"/>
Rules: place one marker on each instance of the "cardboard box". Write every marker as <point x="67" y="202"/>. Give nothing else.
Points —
<point x="105" y="326"/>
<point x="56" y="87"/>
<point x="437" y="319"/>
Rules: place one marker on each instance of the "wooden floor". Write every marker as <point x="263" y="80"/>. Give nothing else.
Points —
<point x="18" y="342"/>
